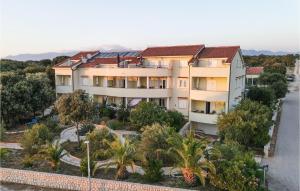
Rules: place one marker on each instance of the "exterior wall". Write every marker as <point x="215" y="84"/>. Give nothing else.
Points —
<point x="66" y="182"/>
<point x="172" y="69"/>
<point x="63" y="71"/>
<point x="237" y="81"/>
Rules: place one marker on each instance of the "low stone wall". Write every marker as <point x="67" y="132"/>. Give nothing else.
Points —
<point x="67" y="182"/>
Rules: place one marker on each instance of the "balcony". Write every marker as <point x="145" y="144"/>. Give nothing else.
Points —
<point x="63" y="89"/>
<point x="142" y="72"/>
<point x="131" y="92"/>
<point x="209" y="95"/>
<point x="210" y="71"/>
<point x="203" y="118"/>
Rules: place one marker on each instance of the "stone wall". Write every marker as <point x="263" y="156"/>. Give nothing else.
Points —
<point x="67" y="182"/>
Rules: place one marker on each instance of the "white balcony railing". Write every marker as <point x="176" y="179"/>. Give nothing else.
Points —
<point x="209" y="95"/>
<point x="203" y="118"/>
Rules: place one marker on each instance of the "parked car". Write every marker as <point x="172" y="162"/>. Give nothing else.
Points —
<point x="290" y="77"/>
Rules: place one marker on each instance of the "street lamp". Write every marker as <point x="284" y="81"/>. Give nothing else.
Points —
<point x="265" y="168"/>
<point x="88" y="158"/>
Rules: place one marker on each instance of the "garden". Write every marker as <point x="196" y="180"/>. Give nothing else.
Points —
<point x="127" y="146"/>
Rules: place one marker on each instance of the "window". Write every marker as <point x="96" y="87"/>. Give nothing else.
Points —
<point x="98" y="81"/>
<point x="84" y="81"/>
<point x="182" y="82"/>
<point x="63" y="80"/>
<point x="182" y="103"/>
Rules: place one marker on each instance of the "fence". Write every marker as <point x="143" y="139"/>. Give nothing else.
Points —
<point x="66" y="182"/>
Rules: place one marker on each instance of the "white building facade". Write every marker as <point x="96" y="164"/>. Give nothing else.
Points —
<point x="200" y="82"/>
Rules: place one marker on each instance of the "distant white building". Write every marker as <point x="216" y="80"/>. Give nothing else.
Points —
<point x="252" y="74"/>
<point x="200" y="82"/>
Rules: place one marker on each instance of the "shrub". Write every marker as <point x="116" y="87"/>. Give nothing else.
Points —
<point x="114" y="124"/>
<point x="262" y="95"/>
<point x="86" y="128"/>
<point x="28" y="161"/>
<point x="106" y="111"/>
<point x="153" y="170"/>
<point x="235" y="169"/>
<point x="52" y="125"/>
<point x="104" y="119"/>
<point x="84" y="166"/>
<point x="2" y="132"/>
<point x="175" y="119"/>
<point x="3" y="153"/>
<point x="99" y="139"/>
<point x="33" y="138"/>
<point x="123" y="114"/>
<point x="147" y="113"/>
<point x="154" y="142"/>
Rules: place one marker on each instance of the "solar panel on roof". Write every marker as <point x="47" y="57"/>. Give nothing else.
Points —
<point x="115" y="54"/>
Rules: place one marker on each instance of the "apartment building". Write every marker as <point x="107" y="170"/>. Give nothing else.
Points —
<point x="200" y="82"/>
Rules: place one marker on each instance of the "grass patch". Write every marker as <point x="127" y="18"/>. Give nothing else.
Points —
<point x="73" y="149"/>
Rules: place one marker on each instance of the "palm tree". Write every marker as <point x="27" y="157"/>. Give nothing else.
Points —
<point x="123" y="155"/>
<point x="54" y="152"/>
<point x="191" y="158"/>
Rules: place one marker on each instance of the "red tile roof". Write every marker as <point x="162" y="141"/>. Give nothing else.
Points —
<point x="254" y="70"/>
<point x="74" y="59"/>
<point x="220" y="52"/>
<point x="187" y="50"/>
<point x="82" y="54"/>
<point x="111" y="60"/>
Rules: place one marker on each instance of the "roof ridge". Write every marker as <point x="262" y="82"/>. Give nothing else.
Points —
<point x="236" y="46"/>
<point x="174" y="46"/>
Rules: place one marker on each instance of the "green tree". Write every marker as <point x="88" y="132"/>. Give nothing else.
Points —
<point x="270" y="78"/>
<point x="191" y="158"/>
<point x="15" y="102"/>
<point x="147" y="113"/>
<point x="263" y="95"/>
<point x="248" y="124"/>
<point x="280" y="88"/>
<point x="59" y="59"/>
<point x="275" y="68"/>
<point x="123" y="155"/>
<point x="175" y="119"/>
<point x="42" y="95"/>
<point x="76" y="108"/>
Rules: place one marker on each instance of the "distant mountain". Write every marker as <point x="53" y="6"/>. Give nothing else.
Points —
<point x="41" y="56"/>
<point x="265" y="52"/>
<point x="51" y="55"/>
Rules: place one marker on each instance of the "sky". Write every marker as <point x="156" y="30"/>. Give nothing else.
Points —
<point x="37" y="26"/>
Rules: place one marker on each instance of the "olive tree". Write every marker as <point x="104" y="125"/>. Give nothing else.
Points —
<point x="75" y="108"/>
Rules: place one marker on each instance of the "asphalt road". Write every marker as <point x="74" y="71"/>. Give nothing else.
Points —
<point x="283" y="174"/>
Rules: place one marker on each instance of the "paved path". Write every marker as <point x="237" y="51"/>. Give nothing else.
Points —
<point x="10" y="145"/>
<point x="70" y="134"/>
<point x="284" y="170"/>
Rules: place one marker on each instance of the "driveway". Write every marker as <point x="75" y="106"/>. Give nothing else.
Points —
<point x="283" y="174"/>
